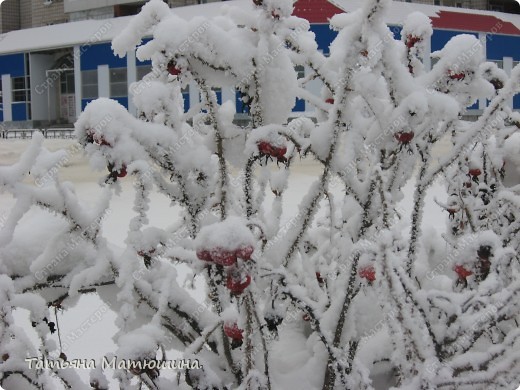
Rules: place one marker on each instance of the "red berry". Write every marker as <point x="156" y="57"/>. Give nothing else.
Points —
<point x="236" y="283"/>
<point x="475" y="172"/>
<point x="456" y="76"/>
<point x="319" y="278"/>
<point x="223" y="257"/>
<point x="306" y="317"/>
<point x="330" y="101"/>
<point x="122" y="172"/>
<point x="279" y="152"/>
<point x="404" y="137"/>
<point x="245" y="252"/>
<point x="368" y="273"/>
<point x="100" y="140"/>
<point x="265" y="148"/>
<point x="462" y="272"/>
<point x="173" y="69"/>
<point x="204" y="255"/>
<point x="143" y="253"/>
<point x="232" y="331"/>
<point x="119" y="173"/>
<point x="411" y="40"/>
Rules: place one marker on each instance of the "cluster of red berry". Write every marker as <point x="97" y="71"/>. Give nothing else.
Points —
<point x="268" y="150"/>
<point x="368" y="273"/>
<point x="480" y="268"/>
<point x="411" y="40"/>
<point x="99" y="139"/>
<point x="236" y="281"/>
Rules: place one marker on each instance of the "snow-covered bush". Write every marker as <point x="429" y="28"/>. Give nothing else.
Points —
<point x="343" y="294"/>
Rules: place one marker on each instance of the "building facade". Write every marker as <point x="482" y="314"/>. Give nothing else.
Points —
<point x="49" y="74"/>
<point x="21" y="14"/>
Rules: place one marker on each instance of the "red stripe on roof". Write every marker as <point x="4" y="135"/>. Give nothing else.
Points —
<point x="316" y="11"/>
<point x="473" y="22"/>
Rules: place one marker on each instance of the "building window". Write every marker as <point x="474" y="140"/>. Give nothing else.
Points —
<point x="21" y="91"/>
<point x="67" y="82"/>
<point x="300" y="71"/>
<point x="1" y="96"/>
<point x="118" y="82"/>
<point x="89" y="82"/>
<point x="437" y="2"/>
<point x="142" y="71"/>
<point x="499" y="63"/>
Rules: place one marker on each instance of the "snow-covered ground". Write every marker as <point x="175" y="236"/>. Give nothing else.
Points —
<point x="91" y="318"/>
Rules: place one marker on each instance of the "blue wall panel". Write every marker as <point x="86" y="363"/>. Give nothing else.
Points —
<point x="84" y="103"/>
<point x="186" y="97"/>
<point x="1" y="112"/>
<point x="500" y="46"/>
<point x="516" y="101"/>
<point x="396" y="30"/>
<point x="19" y="111"/>
<point x="324" y="36"/>
<point x="101" y="55"/>
<point x="121" y="100"/>
<point x="241" y="107"/>
<point x="441" y="37"/>
<point x="13" y="64"/>
<point x="299" y="106"/>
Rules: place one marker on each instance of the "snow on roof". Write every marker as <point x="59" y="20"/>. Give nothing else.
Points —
<point x="449" y="18"/>
<point x="316" y="11"/>
<point x="81" y="32"/>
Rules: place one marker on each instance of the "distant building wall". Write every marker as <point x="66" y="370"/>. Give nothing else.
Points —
<point x="43" y="15"/>
<point x="10" y="16"/>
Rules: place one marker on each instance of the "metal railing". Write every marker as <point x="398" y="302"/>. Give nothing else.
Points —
<point x="52" y="132"/>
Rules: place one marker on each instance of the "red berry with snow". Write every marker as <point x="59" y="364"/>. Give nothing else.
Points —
<point x="232" y="331"/>
<point x="456" y="76"/>
<point x="245" y="252"/>
<point x="475" y="172"/>
<point x="411" y="40"/>
<point x="462" y="272"/>
<point x="122" y="172"/>
<point x="237" y="283"/>
<point x="223" y="256"/>
<point x="267" y="149"/>
<point x="404" y="137"/>
<point x="100" y="140"/>
<point x="117" y="173"/>
<point x="368" y="273"/>
<point x="204" y="255"/>
<point x="330" y="101"/>
<point x="173" y="69"/>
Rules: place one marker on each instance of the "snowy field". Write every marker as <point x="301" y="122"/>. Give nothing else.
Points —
<point x="95" y="339"/>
